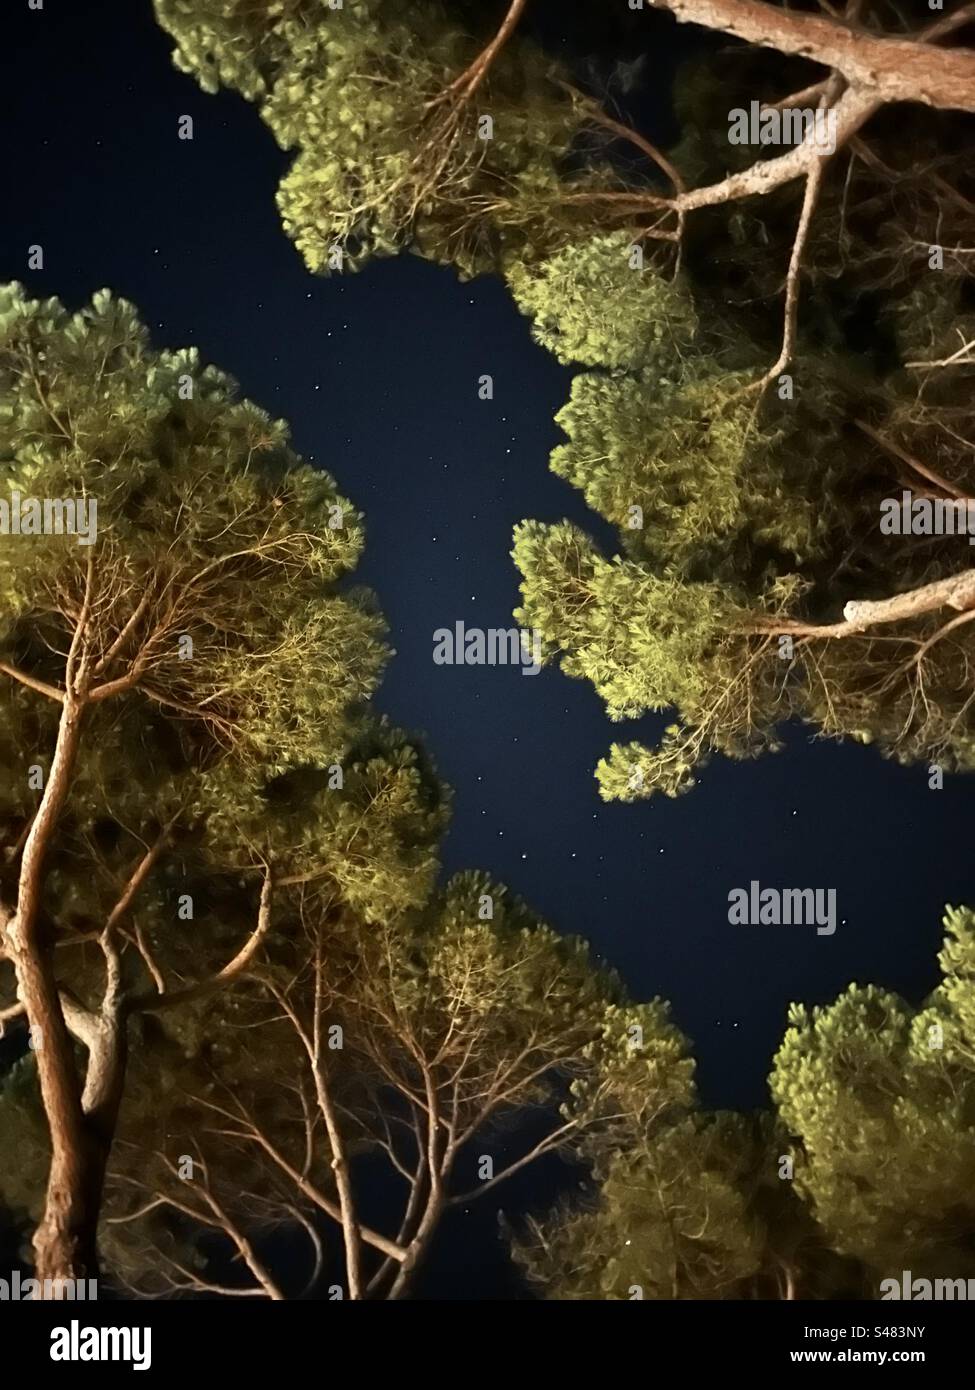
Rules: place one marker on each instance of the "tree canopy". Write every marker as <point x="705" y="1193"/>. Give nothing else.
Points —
<point x="238" y="989"/>
<point x="756" y="581"/>
<point x="429" y="1059"/>
<point x="185" y="734"/>
<point x="862" y="1168"/>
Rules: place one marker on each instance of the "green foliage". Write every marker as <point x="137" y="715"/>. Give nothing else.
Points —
<point x="881" y="1101"/>
<point x="643" y="319"/>
<point x="601" y="614"/>
<point x="677" y="468"/>
<point x="669" y="1223"/>
<point x="668" y="1216"/>
<point x="191" y="493"/>
<point x="773" y="497"/>
<point x="646" y="642"/>
<point x="863" y="1169"/>
<point x="379" y="162"/>
<point x="955" y="997"/>
<point x="730" y="532"/>
<point x="209" y="529"/>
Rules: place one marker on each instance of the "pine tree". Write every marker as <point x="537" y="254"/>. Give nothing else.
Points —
<point x="759" y="579"/>
<point x="402" y="135"/>
<point x="439" y="1054"/>
<point x="679" y="1203"/>
<point x="880" y="1098"/>
<point x="185" y="737"/>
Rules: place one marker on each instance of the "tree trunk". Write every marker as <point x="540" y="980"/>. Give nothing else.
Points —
<point x="80" y="1125"/>
<point x="65" y="1242"/>
<point x="418" y="1247"/>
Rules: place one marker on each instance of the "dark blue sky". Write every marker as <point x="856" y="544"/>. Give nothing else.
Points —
<point x="377" y="374"/>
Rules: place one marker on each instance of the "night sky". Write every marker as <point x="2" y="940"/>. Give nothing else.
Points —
<point x="377" y="374"/>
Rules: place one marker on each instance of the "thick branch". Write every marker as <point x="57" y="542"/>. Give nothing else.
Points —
<point x="854" y="107"/>
<point x="895" y="69"/>
<point x="958" y="591"/>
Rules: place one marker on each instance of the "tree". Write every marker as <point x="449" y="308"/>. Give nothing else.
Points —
<point x="660" y="1218"/>
<point x="209" y="840"/>
<point x="681" y="1203"/>
<point x="862" y="1170"/>
<point x="184" y="733"/>
<point x="754" y="584"/>
<point x="758" y="580"/>
<point x="385" y="104"/>
<point x="668" y="1223"/>
<point x="452" y="1047"/>
<point x="880" y="1099"/>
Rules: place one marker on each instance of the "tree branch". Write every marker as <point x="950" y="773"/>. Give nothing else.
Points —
<point x="957" y="591"/>
<point x="149" y="1003"/>
<point x="894" y="69"/>
<point x="32" y="683"/>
